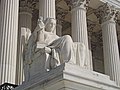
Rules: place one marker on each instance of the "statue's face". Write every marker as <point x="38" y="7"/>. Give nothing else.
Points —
<point x="51" y="25"/>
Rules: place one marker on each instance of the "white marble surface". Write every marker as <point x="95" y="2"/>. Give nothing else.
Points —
<point x="54" y="49"/>
<point x="107" y="16"/>
<point x="24" y="32"/>
<point x="69" y="77"/>
<point x="79" y="27"/>
<point x="8" y="40"/>
<point x="115" y="3"/>
<point x="47" y="9"/>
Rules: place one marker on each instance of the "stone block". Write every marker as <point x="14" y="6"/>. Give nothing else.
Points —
<point x="69" y="77"/>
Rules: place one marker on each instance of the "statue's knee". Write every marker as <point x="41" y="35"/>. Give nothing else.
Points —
<point x="67" y="38"/>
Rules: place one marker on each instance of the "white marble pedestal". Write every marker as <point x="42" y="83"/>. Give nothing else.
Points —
<point x="69" y="77"/>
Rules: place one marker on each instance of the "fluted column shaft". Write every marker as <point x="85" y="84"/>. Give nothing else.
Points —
<point x="90" y="26"/>
<point x="25" y="17"/>
<point x="111" y="53"/>
<point x="8" y="40"/>
<point x="59" y="27"/>
<point x="110" y="44"/>
<point x="47" y="9"/>
<point x="89" y="44"/>
<point x="60" y="16"/>
<point x="79" y="27"/>
<point x="59" y="30"/>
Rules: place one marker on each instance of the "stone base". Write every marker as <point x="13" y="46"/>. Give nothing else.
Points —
<point x="69" y="77"/>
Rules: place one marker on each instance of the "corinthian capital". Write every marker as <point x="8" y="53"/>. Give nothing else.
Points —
<point x="27" y="5"/>
<point x="77" y="3"/>
<point x="106" y="12"/>
<point x="80" y="3"/>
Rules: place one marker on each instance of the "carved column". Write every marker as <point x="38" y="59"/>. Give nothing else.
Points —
<point x="24" y="32"/>
<point x="60" y="17"/>
<point x="90" y="26"/>
<point x="107" y="17"/>
<point x="59" y="22"/>
<point x="79" y="26"/>
<point x="47" y="9"/>
<point x="59" y="27"/>
<point x="8" y="40"/>
<point x="89" y="44"/>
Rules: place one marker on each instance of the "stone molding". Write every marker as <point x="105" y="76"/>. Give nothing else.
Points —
<point x="80" y="3"/>
<point x="115" y="3"/>
<point x="76" y="77"/>
<point x="106" y="12"/>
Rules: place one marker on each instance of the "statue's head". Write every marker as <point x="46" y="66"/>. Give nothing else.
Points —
<point x="50" y="24"/>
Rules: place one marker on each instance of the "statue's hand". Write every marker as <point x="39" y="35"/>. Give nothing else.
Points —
<point x="47" y="50"/>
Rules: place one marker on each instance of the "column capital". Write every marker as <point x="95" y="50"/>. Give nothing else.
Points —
<point x="27" y="6"/>
<point x="106" y="12"/>
<point x="78" y="3"/>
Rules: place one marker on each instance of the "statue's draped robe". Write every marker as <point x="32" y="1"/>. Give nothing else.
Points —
<point x="62" y="49"/>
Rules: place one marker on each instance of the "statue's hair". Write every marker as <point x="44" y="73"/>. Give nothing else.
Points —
<point x="47" y="20"/>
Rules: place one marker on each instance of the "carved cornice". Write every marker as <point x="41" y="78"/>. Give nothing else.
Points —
<point x="80" y="3"/>
<point x="27" y="5"/>
<point x="115" y="3"/>
<point x="77" y="3"/>
<point x="106" y="12"/>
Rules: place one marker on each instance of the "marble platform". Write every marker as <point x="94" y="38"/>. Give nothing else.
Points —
<point x="69" y="77"/>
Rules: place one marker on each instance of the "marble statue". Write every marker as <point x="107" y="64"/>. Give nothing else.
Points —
<point x="57" y="50"/>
